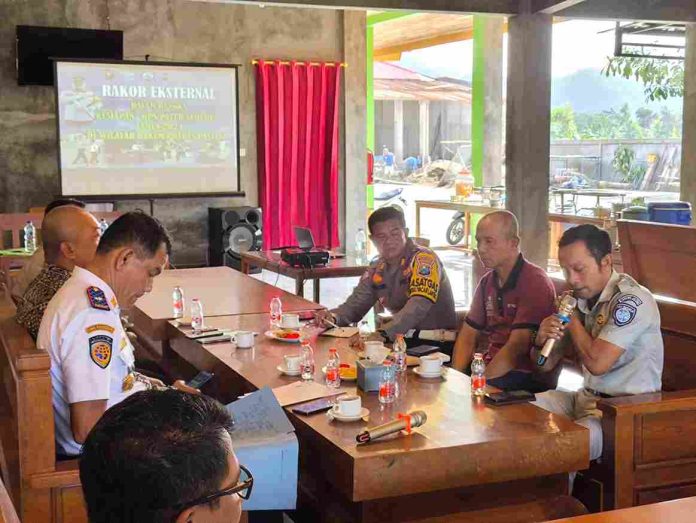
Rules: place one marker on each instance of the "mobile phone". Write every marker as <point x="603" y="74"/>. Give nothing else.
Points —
<point x="422" y="350"/>
<point x="220" y="338"/>
<point x="509" y="397"/>
<point x="306" y="315"/>
<point x="204" y="334"/>
<point x="200" y="379"/>
<point x="314" y="406"/>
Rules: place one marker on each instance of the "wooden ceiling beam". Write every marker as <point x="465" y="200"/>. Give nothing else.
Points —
<point x="422" y="43"/>
<point x="501" y="7"/>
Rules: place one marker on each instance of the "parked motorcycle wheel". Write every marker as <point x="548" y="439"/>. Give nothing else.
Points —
<point x="455" y="232"/>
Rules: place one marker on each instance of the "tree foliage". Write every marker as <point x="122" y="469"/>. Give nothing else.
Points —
<point x="661" y="78"/>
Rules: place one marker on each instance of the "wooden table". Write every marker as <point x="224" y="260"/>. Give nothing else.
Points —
<point x="677" y="511"/>
<point x="344" y="267"/>
<point x="467" y="457"/>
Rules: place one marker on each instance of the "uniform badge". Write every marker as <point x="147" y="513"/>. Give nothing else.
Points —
<point x="128" y="382"/>
<point x="99" y="327"/>
<point x="626" y="309"/>
<point x="100" y="350"/>
<point x="97" y="299"/>
<point x="425" y="278"/>
<point x="601" y="320"/>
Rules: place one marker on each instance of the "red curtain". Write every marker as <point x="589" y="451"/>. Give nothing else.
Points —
<point x="297" y="135"/>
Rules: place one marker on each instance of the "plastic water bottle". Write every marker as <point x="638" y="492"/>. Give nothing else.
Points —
<point x="276" y="312"/>
<point x="196" y="315"/>
<point x="178" y="302"/>
<point x="478" y="375"/>
<point x="387" y="384"/>
<point x="307" y="362"/>
<point x="399" y="353"/>
<point x="103" y="226"/>
<point x="333" y="366"/>
<point x="29" y="237"/>
<point x="361" y="246"/>
<point x="364" y="331"/>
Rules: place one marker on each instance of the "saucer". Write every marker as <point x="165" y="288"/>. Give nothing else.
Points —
<point x="439" y="374"/>
<point x="282" y="368"/>
<point x="332" y="414"/>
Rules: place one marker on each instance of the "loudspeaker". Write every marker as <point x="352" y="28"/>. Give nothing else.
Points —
<point x="232" y="231"/>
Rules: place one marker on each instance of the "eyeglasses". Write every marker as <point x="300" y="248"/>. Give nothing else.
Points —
<point x="242" y="488"/>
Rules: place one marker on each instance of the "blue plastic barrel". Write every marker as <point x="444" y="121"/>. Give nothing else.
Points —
<point x="676" y="213"/>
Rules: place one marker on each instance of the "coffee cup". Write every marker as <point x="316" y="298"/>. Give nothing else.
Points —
<point x="430" y="364"/>
<point x="292" y="362"/>
<point x="373" y="349"/>
<point x="348" y="405"/>
<point x="244" y="339"/>
<point x="290" y="321"/>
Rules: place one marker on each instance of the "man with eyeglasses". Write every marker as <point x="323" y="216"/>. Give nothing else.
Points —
<point x="409" y="281"/>
<point x="163" y="456"/>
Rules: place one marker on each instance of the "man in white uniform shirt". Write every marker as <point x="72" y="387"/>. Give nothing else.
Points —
<point x="92" y="361"/>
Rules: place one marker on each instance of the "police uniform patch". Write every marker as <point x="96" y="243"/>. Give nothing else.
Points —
<point x="425" y="278"/>
<point x="624" y="314"/>
<point x="99" y="327"/>
<point x="601" y="320"/>
<point x="100" y="350"/>
<point x="97" y="299"/>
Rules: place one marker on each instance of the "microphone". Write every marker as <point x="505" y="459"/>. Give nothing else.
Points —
<point x="403" y="422"/>
<point x="565" y="309"/>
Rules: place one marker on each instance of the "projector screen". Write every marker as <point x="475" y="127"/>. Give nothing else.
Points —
<point x="152" y="129"/>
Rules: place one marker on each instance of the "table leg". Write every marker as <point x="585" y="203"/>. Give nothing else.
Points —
<point x="317" y="291"/>
<point x="299" y="286"/>
<point x="418" y="209"/>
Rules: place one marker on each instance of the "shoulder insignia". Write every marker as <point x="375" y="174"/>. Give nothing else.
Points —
<point x="97" y="299"/>
<point x="100" y="327"/>
<point x="100" y="350"/>
<point x="630" y="298"/>
<point x="624" y="313"/>
<point x="425" y="278"/>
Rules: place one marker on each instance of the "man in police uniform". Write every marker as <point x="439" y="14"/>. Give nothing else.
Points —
<point x="92" y="362"/>
<point x="615" y="332"/>
<point x="408" y="280"/>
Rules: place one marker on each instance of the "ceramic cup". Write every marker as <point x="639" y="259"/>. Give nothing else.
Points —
<point x="290" y="321"/>
<point x="292" y="362"/>
<point x="430" y="364"/>
<point x="244" y="339"/>
<point x="348" y="405"/>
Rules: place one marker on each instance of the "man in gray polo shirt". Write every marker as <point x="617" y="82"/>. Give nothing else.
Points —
<point x="615" y="332"/>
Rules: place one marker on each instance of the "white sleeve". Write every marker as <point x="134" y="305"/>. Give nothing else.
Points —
<point x="629" y="318"/>
<point x="87" y="351"/>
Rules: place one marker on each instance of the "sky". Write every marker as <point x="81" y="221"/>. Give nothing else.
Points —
<point x="577" y="45"/>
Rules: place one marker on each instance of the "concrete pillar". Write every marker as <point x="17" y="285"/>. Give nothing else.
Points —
<point x="399" y="130"/>
<point x="688" y="160"/>
<point x="487" y="102"/>
<point x="424" y="134"/>
<point x="355" y="107"/>
<point x="528" y="130"/>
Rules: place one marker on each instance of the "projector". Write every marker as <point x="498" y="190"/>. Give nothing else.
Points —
<point x="306" y="258"/>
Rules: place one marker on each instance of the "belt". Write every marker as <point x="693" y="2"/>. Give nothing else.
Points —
<point x="597" y="393"/>
<point x="441" y="335"/>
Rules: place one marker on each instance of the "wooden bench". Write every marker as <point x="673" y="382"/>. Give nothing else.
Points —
<point x="42" y="489"/>
<point x="8" y="514"/>
<point x="679" y="511"/>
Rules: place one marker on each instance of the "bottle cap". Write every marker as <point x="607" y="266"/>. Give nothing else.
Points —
<point x="478" y="355"/>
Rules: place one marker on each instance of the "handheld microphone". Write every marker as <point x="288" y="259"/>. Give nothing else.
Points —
<point x="404" y="422"/>
<point x="565" y="309"/>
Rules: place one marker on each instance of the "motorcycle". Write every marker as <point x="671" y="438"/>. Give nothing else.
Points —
<point x="391" y="198"/>
<point x="455" y="230"/>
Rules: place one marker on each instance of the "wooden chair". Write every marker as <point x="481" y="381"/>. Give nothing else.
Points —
<point x="42" y="489"/>
<point x="8" y="514"/>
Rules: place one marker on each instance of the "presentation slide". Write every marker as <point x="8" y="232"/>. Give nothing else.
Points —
<point x="150" y="129"/>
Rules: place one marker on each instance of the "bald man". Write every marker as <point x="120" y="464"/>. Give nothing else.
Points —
<point x="70" y="236"/>
<point x="509" y="303"/>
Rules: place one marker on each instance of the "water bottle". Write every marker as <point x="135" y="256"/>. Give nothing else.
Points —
<point x="103" y="226"/>
<point x="478" y="375"/>
<point x="276" y="312"/>
<point x="387" y="384"/>
<point x="364" y="331"/>
<point x="178" y="302"/>
<point x="399" y="355"/>
<point x="307" y="362"/>
<point x="29" y="237"/>
<point x="333" y="366"/>
<point x="196" y="315"/>
<point x="361" y="246"/>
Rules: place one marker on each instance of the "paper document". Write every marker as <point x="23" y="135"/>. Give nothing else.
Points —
<point x="340" y="332"/>
<point x="264" y="441"/>
<point x="300" y="391"/>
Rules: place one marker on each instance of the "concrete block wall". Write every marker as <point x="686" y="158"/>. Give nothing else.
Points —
<point x="178" y="30"/>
